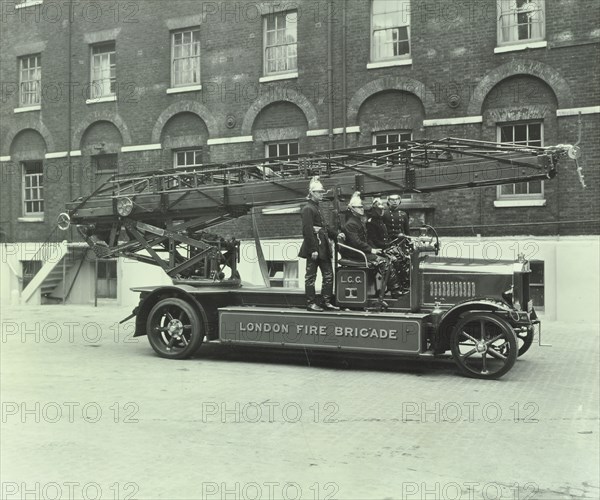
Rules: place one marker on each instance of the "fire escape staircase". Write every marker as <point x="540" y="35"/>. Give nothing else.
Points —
<point x="53" y="282"/>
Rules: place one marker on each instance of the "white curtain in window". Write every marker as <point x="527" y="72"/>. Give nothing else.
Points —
<point x="521" y="20"/>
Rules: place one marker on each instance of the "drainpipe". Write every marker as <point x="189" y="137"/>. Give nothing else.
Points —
<point x="69" y="106"/>
<point x="330" y="71"/>
<point x="344" y="76"/>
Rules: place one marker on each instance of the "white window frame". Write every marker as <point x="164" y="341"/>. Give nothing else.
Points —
<point x="500" y="196"/>
<point x="278" y="144"/>
<point x="194" y="151"/>
<point x="403" y="9"/>
<point x="30" y="80"/>
<point x="509" y="12"/>
<point x="291" y="62"/>
<point x="387" y="134"/>
<point x="98" y="74"/>
<point x="33" y="193"/>
<point x="193" y="66"/>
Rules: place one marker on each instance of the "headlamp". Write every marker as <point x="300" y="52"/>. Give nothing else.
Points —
<point x="124" y="206"/>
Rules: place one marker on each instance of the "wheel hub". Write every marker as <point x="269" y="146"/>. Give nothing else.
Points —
<point x="175" y="327"/>
<point x="481" y="347"/>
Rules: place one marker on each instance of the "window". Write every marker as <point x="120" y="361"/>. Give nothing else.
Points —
<point x="280" y="42"/>
<point x="30" y="75"/>
<point x="520" y="20"/>
<point x="536" y="283"/>
<point x="382" y="139"/>
<point x="103" y="76"/>
<point x="33" y="188"/>
<point x="281" y="149"/>
<point x="185" y="58"/>
<point x="188" y="158"/>
<point x="283" y="273"/>
<point x="529" y="134"/>
<point x="390" y="30"/>
<point x="106" y="163"/>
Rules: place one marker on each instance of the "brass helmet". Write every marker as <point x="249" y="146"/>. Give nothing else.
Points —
<point x="316" y="189"/>
<point x="356" y="205"/>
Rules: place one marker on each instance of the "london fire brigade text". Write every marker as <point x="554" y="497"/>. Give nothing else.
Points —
<point x="339" y="331"/>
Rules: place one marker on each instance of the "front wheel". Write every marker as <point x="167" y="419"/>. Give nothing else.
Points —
<point x="484" y="345"/>
<point x="174" y="329"/>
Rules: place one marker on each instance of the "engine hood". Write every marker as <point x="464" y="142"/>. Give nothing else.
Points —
<point x="472" y="266"/>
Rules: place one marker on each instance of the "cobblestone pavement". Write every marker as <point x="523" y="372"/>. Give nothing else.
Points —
<point x="90" y="412"/>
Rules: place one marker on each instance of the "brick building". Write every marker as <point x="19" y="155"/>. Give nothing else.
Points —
<point x="93" y="88"/>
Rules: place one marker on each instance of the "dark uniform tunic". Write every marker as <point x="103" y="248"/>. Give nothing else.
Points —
<point x="316" y="238"/>
<point x="377" y="232"/>
<point x="396" y="222"/>
<point x="356" y="237"/>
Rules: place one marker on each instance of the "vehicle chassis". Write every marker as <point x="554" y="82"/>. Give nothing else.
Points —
<point x="484" y="334"/>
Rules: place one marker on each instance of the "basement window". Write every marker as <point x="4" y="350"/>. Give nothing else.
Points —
<point x="283" y="273"/>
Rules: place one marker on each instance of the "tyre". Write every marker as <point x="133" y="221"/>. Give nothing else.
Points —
<point x="524" y="341"/>
<point x="174" y="328"/>
<point x="484" y="345"/>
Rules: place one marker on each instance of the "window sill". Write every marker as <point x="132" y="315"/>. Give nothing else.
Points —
<point x="187" y="88"/>
<point x="28" y="3"/>
<point x="521" y="46"/>
<point x="520" y="203"/>
<point x="387" y="64"/>
<point x="108" y="98"/>
<point x="25" y="109"/>
<point x="273" y="78"/>
<point x="31" y="218"/>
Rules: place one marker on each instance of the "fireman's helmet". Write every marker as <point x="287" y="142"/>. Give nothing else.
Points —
<point x="394" y="200"/>
<point x="315" y="188"/>
<point x="356" y="205"/>
<point x="377" y="205"/>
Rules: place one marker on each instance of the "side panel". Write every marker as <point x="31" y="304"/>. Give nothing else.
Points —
<point x="451" y="288"/>
<point x="351" y="287"/>
<point x="344" y="331"/>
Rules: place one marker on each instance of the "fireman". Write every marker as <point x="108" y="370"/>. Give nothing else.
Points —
<point x="395" y="219"/>
<point x="377" y="232"/>
<point x="316" y="248"/>
<point x="397" y="224"/>
<point x="356" y="237"/>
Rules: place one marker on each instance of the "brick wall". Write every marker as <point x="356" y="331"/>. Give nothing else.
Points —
<point x="452" y="49"/>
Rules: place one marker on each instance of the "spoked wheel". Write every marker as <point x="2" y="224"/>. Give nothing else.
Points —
<point x="484" y="345"/>
<point x="524" y="340"/>
<point x="174" y="329"/>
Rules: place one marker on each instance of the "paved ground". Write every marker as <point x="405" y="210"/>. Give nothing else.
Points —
<point x="89" y="412"/>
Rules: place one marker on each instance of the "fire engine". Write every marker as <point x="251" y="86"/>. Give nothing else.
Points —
<point x="479" y="312"/>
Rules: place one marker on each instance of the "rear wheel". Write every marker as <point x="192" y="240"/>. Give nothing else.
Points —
<point x="484" y="345"/>
<point x="174" y="329"/>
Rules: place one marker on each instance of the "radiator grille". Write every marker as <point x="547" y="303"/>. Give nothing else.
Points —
<point x="452" y="288"/>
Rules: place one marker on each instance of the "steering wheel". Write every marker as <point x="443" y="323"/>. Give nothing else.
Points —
<point x="429" y="231"/>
